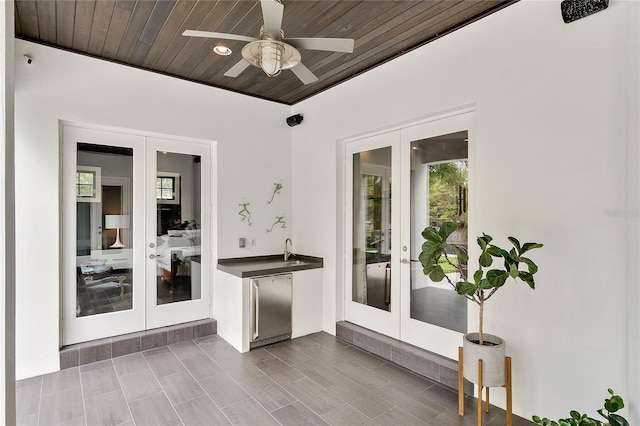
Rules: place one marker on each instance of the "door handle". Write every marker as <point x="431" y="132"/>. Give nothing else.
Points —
<point x="404" y="261"/>
<point x="153" y="256"/>
<point x="256" y="316"/>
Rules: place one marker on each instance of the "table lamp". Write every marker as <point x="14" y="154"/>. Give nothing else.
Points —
<point x="116" y="221"/>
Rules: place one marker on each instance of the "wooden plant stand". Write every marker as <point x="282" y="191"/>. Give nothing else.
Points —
<point x="507" y="386"/>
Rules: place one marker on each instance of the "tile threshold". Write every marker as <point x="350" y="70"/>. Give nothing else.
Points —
<point x="112" y="347"/>
<point x="428" y="364"/>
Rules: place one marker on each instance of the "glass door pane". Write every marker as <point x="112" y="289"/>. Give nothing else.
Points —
<point x="104" y="243"/>
<point x="439" y="188"/>
<point x="371" y="280"/>
<point x="178" y="254"/>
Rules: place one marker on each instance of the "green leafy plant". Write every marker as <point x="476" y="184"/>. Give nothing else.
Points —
<point x="484" y="283"/>
<point x="611" y="406"/>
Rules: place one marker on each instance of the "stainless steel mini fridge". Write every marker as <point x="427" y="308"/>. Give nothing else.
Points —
<point x="270" y="309"/>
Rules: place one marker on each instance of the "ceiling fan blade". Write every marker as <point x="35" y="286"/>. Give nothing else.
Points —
<point x="209" y="34"/>
<point x="272" y="12"/>
<point x="329" y="44"/>
<point x="235" y="70"/>
<point x="304" y="74"/>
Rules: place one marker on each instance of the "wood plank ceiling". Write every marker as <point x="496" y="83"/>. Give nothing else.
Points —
<point x="147" y="34"/>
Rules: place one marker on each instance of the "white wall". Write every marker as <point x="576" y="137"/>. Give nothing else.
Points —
<point x="633" y="266"/>
<point x="253" y="149"/>
<point x="550" y="166"/>
<point x="7" y="216"/>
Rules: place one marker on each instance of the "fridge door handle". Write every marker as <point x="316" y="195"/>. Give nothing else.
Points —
<point x="387" y="284"/>
<point x="256" y="310"/>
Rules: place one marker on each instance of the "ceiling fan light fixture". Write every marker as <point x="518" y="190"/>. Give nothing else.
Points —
<point x="222" y="50"/>
<point x="271" y="57"/>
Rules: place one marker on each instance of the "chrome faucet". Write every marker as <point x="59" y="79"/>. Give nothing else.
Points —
<point x="287" y="253"/>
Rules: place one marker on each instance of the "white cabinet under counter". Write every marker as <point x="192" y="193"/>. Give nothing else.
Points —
<point x="234" y="308"/>
<point x="306" y="308"/>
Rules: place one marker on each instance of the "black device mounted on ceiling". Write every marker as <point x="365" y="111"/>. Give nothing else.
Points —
<point x="572" y="10"/>
<point x="294" y="120"/>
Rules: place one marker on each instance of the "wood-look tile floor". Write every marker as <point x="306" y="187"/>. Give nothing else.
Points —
<point x="312" y="380"/>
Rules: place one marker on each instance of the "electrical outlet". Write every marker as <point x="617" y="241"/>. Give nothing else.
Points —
<point x="253" y="242"/>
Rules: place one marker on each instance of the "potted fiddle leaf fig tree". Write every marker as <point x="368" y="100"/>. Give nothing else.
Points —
<point x="478" y="288"/>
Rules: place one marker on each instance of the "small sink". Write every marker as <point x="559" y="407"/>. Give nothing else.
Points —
<point x="280" y="263"/>
<point x="265" y="265"/>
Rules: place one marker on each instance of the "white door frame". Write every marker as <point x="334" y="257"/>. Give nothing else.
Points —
<point x="74" y="329"/>
<point x="397" y="323"/>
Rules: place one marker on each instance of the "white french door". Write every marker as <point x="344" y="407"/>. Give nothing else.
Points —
<point x="178" y="253"/>
<point x="427" y="166"/>
<point x="137" y="226"/>
<point x="103" y="286"/>
<point x="434" y="316"/>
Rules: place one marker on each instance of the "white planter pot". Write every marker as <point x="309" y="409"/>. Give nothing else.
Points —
<point x="492" y="356"/>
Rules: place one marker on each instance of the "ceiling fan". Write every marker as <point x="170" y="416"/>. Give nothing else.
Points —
<point x="272" y="51"/>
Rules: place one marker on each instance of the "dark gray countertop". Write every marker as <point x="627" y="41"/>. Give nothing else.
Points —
<point x="246" y="267"/>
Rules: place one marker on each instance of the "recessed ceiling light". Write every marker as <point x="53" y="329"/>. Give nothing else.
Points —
<point x="222" y="50"/>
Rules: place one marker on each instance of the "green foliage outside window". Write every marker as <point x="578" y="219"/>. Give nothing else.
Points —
<point x="164" y="188"/>
<point x="85" y="184"/>
<point x="447" y="182"/>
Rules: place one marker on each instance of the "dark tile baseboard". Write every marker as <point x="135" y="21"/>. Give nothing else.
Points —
<point x="112" y="347"/>
<point x="428" y="364"/>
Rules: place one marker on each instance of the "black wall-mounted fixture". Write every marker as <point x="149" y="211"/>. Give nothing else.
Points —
<point x="294" y="120"/>
<point x="572" y="10"/>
